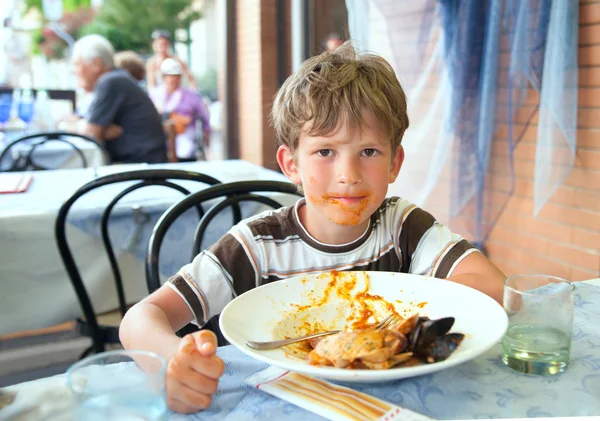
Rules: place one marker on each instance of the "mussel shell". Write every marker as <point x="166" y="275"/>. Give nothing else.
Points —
<point x="428" y="330"/>
<point x="440" y="348"/>
<point x="414" y="334"/>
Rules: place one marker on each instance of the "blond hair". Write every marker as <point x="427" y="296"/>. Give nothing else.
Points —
<point x="338" y="86"/>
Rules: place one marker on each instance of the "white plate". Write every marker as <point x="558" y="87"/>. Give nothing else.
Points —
<point x="272" y="312"/>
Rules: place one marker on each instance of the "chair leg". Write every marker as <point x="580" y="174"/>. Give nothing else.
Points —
<point x="87" y="352"/>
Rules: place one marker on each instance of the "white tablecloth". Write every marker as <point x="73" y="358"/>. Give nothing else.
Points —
<point x="35" y="291"/>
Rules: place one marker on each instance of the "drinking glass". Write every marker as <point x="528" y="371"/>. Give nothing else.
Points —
<point x="26" y="111"/>
<point x="540" y="310"/>
<point x="5" y="107"/>
<point x="122" y="385"/>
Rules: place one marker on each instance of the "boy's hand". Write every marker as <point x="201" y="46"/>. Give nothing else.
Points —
<point x="193" y="373"/>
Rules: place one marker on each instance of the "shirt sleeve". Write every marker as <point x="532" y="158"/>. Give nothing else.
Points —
<point x="214" y="278"/>
<point x="429" y="247"/>
<point x="106" y="103"/>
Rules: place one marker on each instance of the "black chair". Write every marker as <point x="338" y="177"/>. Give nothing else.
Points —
<point x="232" y="194"/>
<point x="89" y="326"/>
<point x="24" y="161"/>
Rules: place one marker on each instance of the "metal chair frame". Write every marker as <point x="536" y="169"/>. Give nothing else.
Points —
<point x="233" y="194"/>
<point x="157" y="177"/>
<point x="27" y="162"/>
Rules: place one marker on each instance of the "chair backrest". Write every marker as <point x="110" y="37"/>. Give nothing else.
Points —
<point x="231" y="193"/>
<point x="154" y="177"/>
<point x="26" y="162"/>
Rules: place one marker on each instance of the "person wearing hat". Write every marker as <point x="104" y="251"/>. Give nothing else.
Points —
<point x="161" y="45"/>
<point x="182" y="107"/>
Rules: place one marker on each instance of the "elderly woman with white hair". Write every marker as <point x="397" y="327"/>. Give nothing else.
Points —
<point x="121" y="114"/>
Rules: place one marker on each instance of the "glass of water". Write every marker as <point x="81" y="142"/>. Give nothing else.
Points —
<point x="121" y="385"/>
<point x="5" y="107"/>
<point x="540" y="310"/>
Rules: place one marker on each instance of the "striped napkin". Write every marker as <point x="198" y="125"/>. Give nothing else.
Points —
<point x="328" y="400"/>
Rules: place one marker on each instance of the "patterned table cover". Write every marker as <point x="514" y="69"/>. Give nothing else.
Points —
<point x="480" y="388"/>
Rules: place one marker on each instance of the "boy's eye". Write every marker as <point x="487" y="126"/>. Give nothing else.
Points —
<point x="324" y="152"/>
<point x="370" y="152"/>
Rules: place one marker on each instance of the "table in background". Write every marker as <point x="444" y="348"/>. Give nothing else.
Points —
<point x="481" y="388"/>
<point x="35" y="291"/>
<point x="53" y="154"/>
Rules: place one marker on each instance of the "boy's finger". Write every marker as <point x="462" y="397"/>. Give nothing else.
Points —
<point x="187" y="345"/>
<point x="211" y="367"/>
<point x="206" y="342"/>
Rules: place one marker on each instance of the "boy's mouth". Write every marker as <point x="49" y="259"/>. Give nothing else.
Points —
<point x="346" y="199"/>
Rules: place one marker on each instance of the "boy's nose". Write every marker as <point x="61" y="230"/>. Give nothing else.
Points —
<point x="349" y="173"/>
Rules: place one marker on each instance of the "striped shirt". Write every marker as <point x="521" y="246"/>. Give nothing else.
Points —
<point x="274" y="245"/>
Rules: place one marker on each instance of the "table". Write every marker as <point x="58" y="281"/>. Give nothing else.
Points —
<point x="480" y="388"/>
<point x="35" y="291"/>
<point x="54" y="154"/>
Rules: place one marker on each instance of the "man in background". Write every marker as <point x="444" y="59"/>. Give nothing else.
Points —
<point x="121" y="115"/>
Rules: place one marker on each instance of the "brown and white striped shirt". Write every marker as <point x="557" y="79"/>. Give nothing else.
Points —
<point x="274" y="245"/>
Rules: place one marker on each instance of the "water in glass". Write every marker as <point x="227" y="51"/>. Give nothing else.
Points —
<point x="535" y="349"/>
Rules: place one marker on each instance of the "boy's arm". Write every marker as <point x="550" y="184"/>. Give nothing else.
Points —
<point x="478" y="272"/>
<point x="193" y="367"/>
<point x="151" y="324"/>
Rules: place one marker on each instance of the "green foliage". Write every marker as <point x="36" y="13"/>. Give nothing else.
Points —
<point x="45" y="40"/>
<point x="128" y="24"/>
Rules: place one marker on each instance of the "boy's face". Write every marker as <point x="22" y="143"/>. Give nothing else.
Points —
<point x="345" y="175"/>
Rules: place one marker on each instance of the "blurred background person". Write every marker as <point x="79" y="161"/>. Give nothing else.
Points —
<point x="333" y="41"/>
<point x="182" y="107"/>
<point x="121" y="114"/>
<point x="161" y="45"/>
<point x="132" y="63"/>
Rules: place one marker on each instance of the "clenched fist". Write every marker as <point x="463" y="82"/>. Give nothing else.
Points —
<point x="193" y="373"/>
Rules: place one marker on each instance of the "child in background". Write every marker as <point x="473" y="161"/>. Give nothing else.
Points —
<point x="339" y="121"/>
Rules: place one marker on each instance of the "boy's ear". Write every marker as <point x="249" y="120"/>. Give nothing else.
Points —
<point x="396" y="164"/>
<point x="285" y="159"/>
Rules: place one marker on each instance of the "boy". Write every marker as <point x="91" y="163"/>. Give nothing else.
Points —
<point x="339" y="120"/>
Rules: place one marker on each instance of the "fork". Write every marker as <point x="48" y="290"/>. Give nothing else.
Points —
<point x="262" y="346"/>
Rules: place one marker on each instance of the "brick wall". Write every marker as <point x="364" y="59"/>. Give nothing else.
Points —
<point x="564" y="239"/>
<point x="256" y="23"/>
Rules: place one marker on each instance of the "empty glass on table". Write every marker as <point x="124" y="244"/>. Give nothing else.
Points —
<point x="120" y="385"/>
